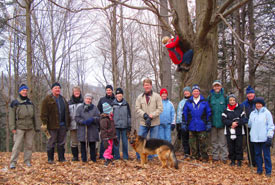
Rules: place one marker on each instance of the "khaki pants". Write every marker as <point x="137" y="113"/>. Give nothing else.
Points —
<point x="19" y="137"/>
<point x="219" y="145"/>
<point x="74" y="140"/>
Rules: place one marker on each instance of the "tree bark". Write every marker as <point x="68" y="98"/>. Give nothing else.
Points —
<point x="114" y="47"/>
<point x="251" y="38"/>
<point x="165" y="62"/>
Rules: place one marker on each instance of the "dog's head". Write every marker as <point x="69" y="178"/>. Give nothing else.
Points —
<point x="132" y="137"/>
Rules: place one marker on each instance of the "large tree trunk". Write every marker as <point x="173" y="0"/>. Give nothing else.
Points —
<point x="114" y="48"/>
<point x="251" y="38"/>
<point x="204" y="43"/>
<point x="165" y="62"/>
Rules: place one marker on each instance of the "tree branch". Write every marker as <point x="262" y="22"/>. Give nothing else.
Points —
<point x="262" y="57"/>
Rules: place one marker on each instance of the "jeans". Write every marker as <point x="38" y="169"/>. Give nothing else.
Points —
<point x="259" y="149"/>
<point x="165" y="132"/>
<point x="123" y="133"/>
<point x="187" y="57"/>
<point x="143" y="131"/>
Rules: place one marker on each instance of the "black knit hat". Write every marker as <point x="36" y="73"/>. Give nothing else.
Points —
<point x="119" y="91"/>
<point x="260" y="100"/>
<point x="55" y="84"/>
<point x="109" y="87"/>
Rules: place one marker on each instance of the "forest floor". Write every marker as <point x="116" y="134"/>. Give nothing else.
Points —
<point x="127" y="172"/>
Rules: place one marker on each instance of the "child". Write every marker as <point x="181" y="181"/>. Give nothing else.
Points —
<point x="167" y="117"/>
<point x="108" y="132"/>
<point x="122" y="120"/>
<point x="179" y="54"/>
<point x="234" y="119"/>
<point x="261" y="134"/>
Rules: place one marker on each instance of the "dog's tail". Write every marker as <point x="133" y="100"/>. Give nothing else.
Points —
<point x="174" y="159"/>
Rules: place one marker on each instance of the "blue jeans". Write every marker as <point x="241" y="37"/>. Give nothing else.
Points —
<point x="259" y="149"/>
<point x="143" y="131"/>
<point x="165" y="132"/>
<point x="123" y="133"/>
<point x="187" y="57"/>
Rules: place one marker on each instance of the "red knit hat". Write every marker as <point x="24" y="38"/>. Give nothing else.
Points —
<point x="163" y="90"/>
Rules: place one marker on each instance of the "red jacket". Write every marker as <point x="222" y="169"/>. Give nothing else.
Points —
<point x="175" y="52"/>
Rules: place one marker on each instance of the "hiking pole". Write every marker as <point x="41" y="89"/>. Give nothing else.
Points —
<point x="248" y="146"/>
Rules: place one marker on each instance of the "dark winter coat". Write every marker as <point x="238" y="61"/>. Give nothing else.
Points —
<point x="196" y="115"/>
<point x="229" y="116"/>
<point x="50" y="114"/>
<point x="217" y="102"/>
<point x="107" y="127"/>
<point x="107" y="99"/>
<point x="249" y="106"/>
<point x="122" y="114"/>
<point x="21" y="115"/>
<point x="73" y="104"/>
<point x="82" y="114"/>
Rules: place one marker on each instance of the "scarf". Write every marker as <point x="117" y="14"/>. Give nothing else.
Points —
<point x="232" y="107"/>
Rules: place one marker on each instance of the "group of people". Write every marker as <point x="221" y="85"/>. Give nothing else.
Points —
<point x="110" y="121"/>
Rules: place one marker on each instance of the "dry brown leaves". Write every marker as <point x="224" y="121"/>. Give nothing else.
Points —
<point x="126" y="172"/>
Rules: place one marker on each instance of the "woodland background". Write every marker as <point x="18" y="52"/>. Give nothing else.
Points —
<point x="95" y="43"/>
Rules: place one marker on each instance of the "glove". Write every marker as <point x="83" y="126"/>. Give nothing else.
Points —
<point x="129" y="129"/>
<point x="173" y="127"/>
<point x="184" y="127"/>
<point x="90" y="120"/>
<point x="116" y="142"/>
<point x="268" y="142"/>
<point x="148" y="122"/>
<point x="105" y="144"/>
<point x="208" y="127"/>
<point x="145" y="116"/>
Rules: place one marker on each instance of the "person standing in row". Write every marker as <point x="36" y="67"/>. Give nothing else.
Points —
<point x="122" y="120"/>
<point x="218" y="102"/>
<point x="167" y="117"/>
<point x="234" y="119"/>
<point x="23" y="125"/>
<point x="249" y="106"/>
<point x="55" y="117"/>
<point x="183" y="135"/>
<point x="261" y="134"/>
<point x="108" y="98"/>
<point x="197" y="119"/>
<point x="87" y="118"/>
<point x="74" y="102"/>
<point x="148" y="108"/>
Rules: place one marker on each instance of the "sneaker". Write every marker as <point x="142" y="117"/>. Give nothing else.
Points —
<point x="239" y="163"/>
<point x="259" y="173"/>
<point x="268" y="175"/>
<point x="50" y="162"/>
<point x="28" y="163"/>
<point x="12" y="165"/>
<point x="107" y="162"/>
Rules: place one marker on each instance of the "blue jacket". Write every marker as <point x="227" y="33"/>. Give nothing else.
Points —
<point x="261" y="124"/>
<point x="196" y="115"/>
<point x="249" y="106"/>
<point x="180" y="110"/>
<point x="168" y="114"/>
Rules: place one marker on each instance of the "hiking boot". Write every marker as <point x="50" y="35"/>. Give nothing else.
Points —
<point x="232" y="163"/>
<point x="50" y="154"/>
<point x="75" y="153"/>
<point x="268" y="175"/>
<point x="224" y="161"/>
<point x="28" y="164"/>
<point x="259" y="173"/>
<point x="239" y="163"/>
<point x="107" y="162"/>
<point x="12" y="165"/>
<point x="185" y="156"/>
<point x="61" y="151"/>
<point x="185" y="67"/>
<point x="179" y="68"/>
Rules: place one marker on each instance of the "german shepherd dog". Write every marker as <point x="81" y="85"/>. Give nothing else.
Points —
<point x="145" y="147"/>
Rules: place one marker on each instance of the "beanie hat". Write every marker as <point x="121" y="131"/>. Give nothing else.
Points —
<point x="196" y="86"/>
<point x="260" y="100"/>
<point x="119" y="91"/>
<point x="88" y="95"/>
<point x="109" y="87"/>
<point x="249" y="89"/>
<point x="55" y="84"/>
<point x="187" y="88"/>
<point x="22" y="87"/>
<point x="217" y="82"/>
<point x="163" y="90"/>
<point x="232" y="96"/>
<point x="107" y="109"/>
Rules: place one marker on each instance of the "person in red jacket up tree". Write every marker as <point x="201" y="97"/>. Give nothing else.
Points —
<point x="179" y="54"/>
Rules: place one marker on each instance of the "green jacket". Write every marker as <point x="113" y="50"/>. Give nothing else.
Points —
<point x="22" y="115"/>
<point x="218" y="104"/>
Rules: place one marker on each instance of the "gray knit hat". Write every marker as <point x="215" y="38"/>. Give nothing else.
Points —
<point x="88" y="95"/>
<point x="232" y="96"/>
<point x="187" y="88"/>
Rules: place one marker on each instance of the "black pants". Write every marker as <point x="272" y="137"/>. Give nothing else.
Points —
<point x="84" y="151"/>
<point x="185" y="142"/>
<point x="58" y="136"/>
<point x="235" y="147"/>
